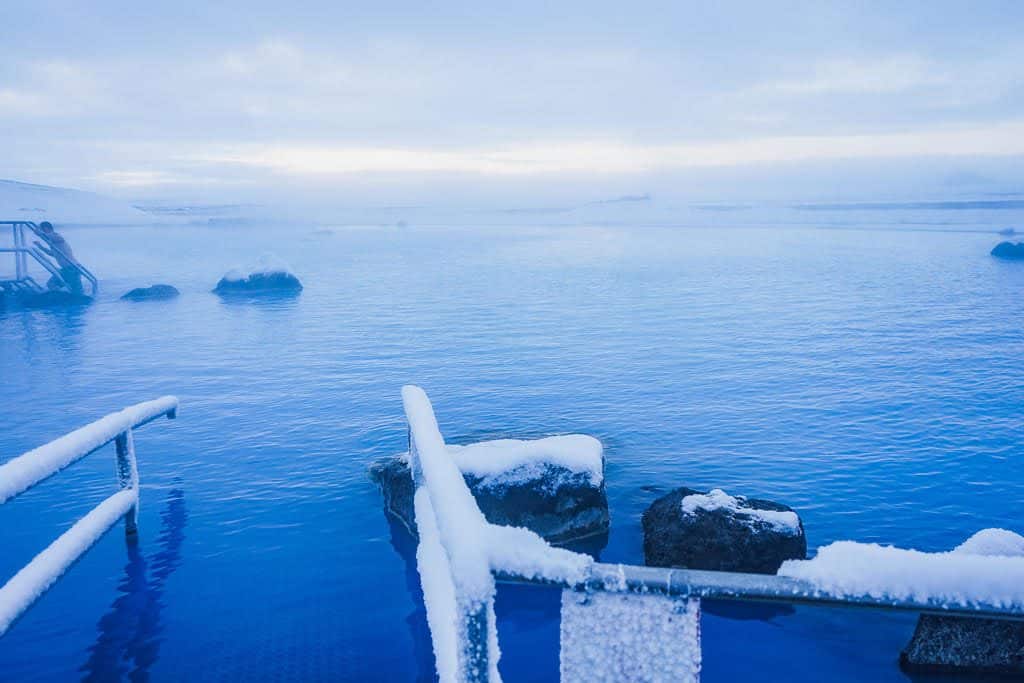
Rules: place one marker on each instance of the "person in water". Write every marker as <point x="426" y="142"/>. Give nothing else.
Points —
<point x="58" y="247"/>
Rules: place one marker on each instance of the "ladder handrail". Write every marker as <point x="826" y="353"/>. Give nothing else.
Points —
<point x="21" y="249"/>
<point x="25" y="471"/>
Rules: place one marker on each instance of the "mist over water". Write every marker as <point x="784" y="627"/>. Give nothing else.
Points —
<point x="872" y="380"/>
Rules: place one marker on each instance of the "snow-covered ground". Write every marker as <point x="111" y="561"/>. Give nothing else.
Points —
<point x="63" y="206"/>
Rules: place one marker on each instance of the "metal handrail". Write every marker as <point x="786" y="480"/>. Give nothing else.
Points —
<point x="25" y="471"/>
<point x="475" y="628"/>
<point x="767" y="588"/>
<point x="21" y="250"/>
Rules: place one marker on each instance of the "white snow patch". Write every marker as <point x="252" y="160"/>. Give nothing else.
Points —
<point x="629" y="637"/>
<point x="267" y="264"/>
<point x="784" y="521"/>
<point x="955" y="578"/>
<point x="32" y="581"/>
<point x="509" y="460"/>
<point x="993" y="542"/>
<point x="522" y="552"/>
<point x="28" y="469"/>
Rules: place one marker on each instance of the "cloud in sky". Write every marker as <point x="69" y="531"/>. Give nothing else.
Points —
<point x="149" y="100"/>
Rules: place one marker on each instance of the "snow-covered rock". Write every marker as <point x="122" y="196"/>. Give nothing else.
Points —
<point x="1009" y="251"/>
<point x="552" y="486"/>
<point x="270" y="276"/>
<point x="153" y="293"/>
<point x="716" y="531"/>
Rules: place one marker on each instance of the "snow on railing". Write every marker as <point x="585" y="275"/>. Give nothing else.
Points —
<point x="25" y="471"/>
<point x="625" y="622"/>
<point x="459" y="551"/>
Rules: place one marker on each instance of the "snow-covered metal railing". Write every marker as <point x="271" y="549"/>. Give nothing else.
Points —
<point x="25" y="471"/>
<point x="21" y="250"/>
<point x="643" y="617"/>
<point x="459" y="551"/>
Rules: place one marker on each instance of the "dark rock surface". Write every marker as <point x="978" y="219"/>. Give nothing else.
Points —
<point x="260" y="283"/>
<point x="1009" y="250"/>
<point x="560" y="505"/>
<point x="956" y="645"/>
<point x="719" y="539"/>
<point x="154" y="293"/>
<point x="52" y="299"/>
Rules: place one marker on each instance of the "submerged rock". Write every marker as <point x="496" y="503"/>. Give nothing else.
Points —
<point x="966" y="646"/>
<point x="55" y="298"/>
<point x="518" y="483"/>
<point x="958" y="645"/>
<point x="716" y="531"/>
<point x="1009" y="251"/>
<point x="154" y="293"/>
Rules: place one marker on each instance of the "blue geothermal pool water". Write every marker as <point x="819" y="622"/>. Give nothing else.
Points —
<point x="872" y="380"/>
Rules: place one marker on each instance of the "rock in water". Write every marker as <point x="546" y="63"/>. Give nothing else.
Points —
<point x="958" y="645"/>
<point x="965" y="646"/>
<point x="154" y="293"/>
<point x="1009" y="251"/>
<point x="518" y="483"/>
<point x="259" y="283"/>
<point x="716" y="531"/>
<point x="52" y="299"/>
<point x="270" y="276"/>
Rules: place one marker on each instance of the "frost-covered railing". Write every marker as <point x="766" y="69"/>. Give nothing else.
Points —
<point x="625" y="622"/>
<point x="25" y="471"/>
<point x="21" y="250"/>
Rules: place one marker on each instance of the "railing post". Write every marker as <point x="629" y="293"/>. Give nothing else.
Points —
<point x="19" y="262"/>
<point x="128" y="477"/>
<point x="474" y="657"/>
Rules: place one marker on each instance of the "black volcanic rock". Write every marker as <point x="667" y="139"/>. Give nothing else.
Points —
<point x="54" y="298"/>
<point x="558" y="504"/>
<point x="955" y="645"/>
<point x="1009" y="251"/>
<point x="721" y="538"/>
<point x="154" y="293"/>
<point x="260" y="283"/>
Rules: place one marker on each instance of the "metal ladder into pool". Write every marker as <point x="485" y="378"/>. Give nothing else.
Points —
<point x="20" y="474"/>
<point x="646" y="619"/>
<point x="23" y="282"/>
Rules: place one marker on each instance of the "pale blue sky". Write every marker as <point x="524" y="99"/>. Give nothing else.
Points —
<point x="405" y="100"/>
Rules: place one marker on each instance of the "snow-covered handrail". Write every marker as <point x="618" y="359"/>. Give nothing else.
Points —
<point x="22" y="250"/>
<point x="25" y="471"/>
<point x="461" y="555"/>
<point x="459" y="552"/>
<point x="973" y="601"/>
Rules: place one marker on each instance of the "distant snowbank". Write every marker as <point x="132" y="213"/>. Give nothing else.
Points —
<point x="988" y="568"/>
<point x="501" y="460"/>
<point x="64" y="206"/>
